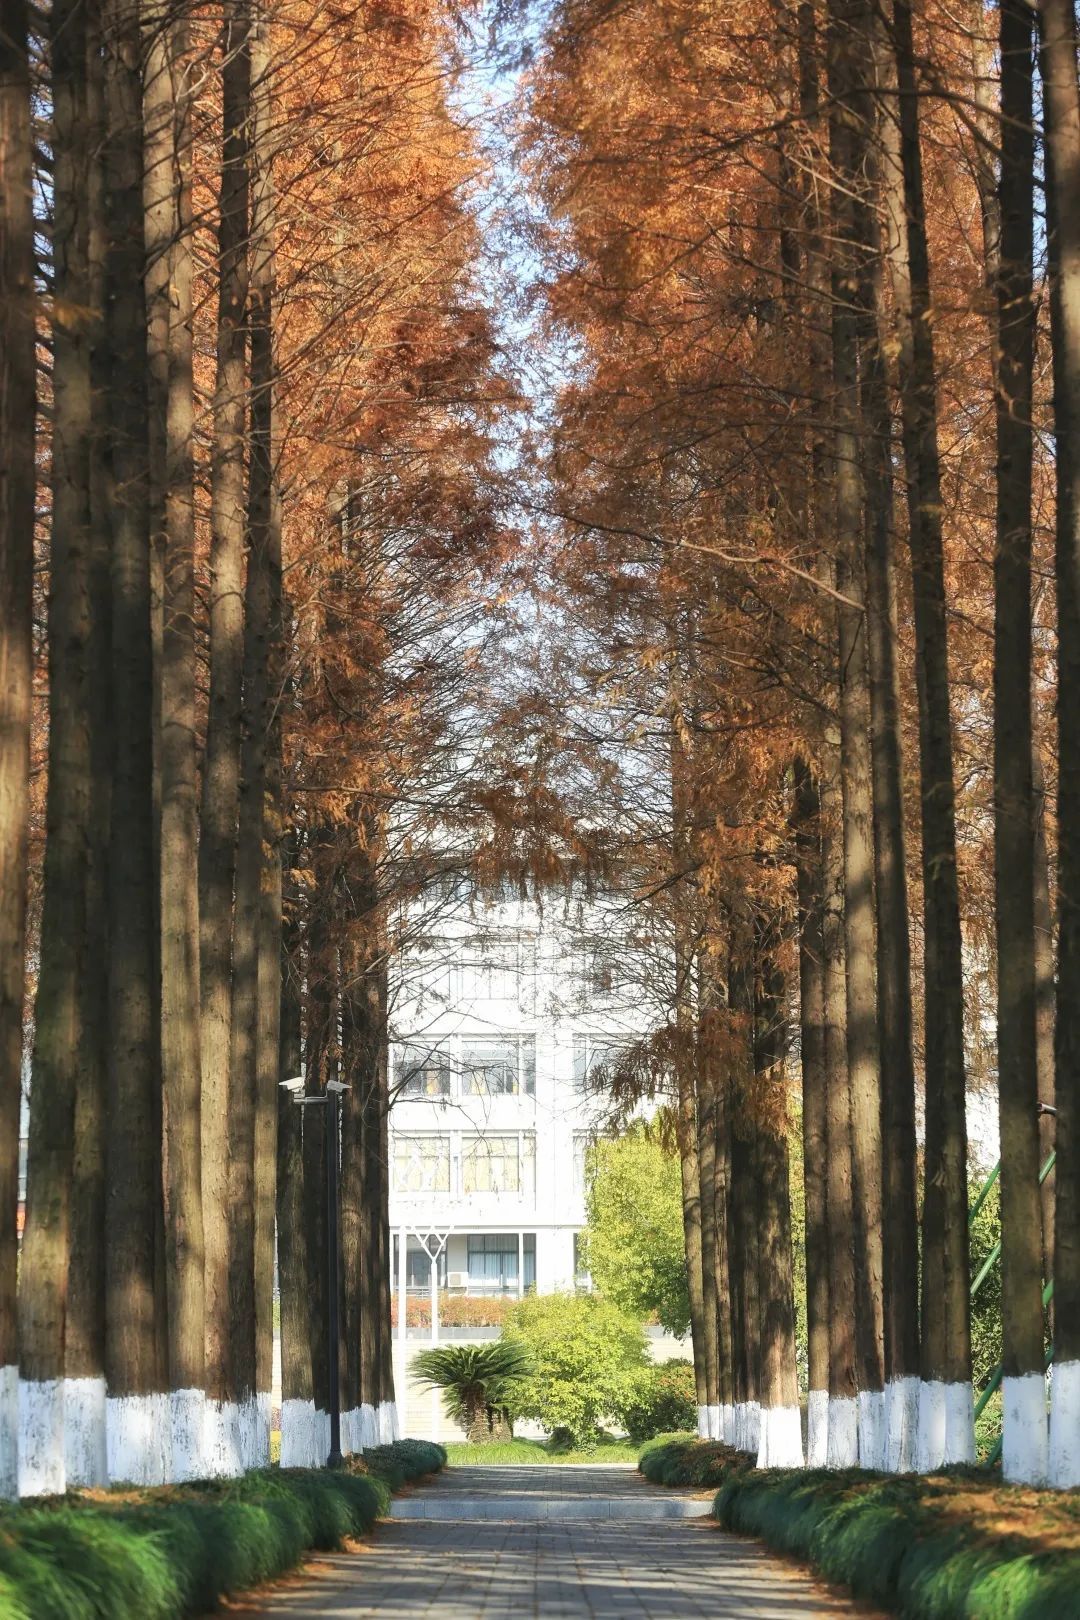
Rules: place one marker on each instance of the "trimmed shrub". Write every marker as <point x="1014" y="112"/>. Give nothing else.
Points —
<point x="456" y="1310"/>
<point x="176" y="1552"/>
<point x="661" y="1399"/>
<point x="683" y="1459"/>
<point x="957" y="1546"/>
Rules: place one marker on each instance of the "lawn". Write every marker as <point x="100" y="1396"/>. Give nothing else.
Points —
<point x="606" y="1450"/>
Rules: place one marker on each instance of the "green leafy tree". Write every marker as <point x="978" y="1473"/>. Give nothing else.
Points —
<point x="662" y="1400"/>
<point x="482" y="1384"/>
<point x="634" y="1238"/>
<point x="586" y="1356"/>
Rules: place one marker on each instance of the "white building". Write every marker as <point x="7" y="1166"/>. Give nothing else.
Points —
<point x="499" y="1012"/>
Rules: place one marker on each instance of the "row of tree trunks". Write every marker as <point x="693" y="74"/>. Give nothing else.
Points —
<point x="736" y="1104"/>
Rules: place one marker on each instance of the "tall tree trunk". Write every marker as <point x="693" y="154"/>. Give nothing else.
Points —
<point x="58" y="1036"/>
<point x="169" y="301"/>
<point x="372" y="1330"/>
<point x="852" y="492"/>
<point x="900" y="1256"/>
<point x="137" y="1428"/>
<point x="17" y="486"/>
<point x="810" y="880"/>
<point x="84" y="1328"/>
<point x="946" y="1428"/>
<point x="389" y="1422"/>
<point x="706" y="1122"/>
<point x="298" y="1437"/>
<point x="264" y="516"/>
<point x="320" y="1045"/>
<point x="780" y="1440"/>
<point x="743" y="1204"/>
<point x="221" y="762"/>
<point x="1024" y="1456"/>
<point x="1045" y="1013"/>
<point x="1058" y="61"/>
<point x="842" y="1450"/>
<point x="361" y="1033"/>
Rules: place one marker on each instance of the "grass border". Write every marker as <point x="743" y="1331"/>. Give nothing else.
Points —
<point x="173" y="1553"/>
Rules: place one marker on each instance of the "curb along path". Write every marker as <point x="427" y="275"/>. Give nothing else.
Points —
<point x="556" y="1542"/>
<point x="548" y="1491"/>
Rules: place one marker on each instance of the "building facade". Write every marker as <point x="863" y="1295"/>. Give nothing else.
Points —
<point x="501" y="1012"/>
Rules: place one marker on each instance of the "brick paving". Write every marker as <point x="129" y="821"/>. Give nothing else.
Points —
<point x="459" y="1569"/>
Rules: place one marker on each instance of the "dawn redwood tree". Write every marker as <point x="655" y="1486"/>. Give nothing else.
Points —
<point x="1057" y="27"/>
<point x="219" y="808"/>
<point x="17" y="485"/>
<point x="1024" y="1455"/>
<point x="265" y="521"/>
<point x="85" y="1460"/>
<point x="170" y="275"/>
<point x="780" y="1439"/>
<point x="58" y="1033"/>
<point x="850" y="486"/>
<point x="136" y="1426"/>
<point x="809" y="876"/>
<point x="946" y="1430"/>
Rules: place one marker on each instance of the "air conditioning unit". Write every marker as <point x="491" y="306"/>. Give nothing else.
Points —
<point x="457" y="1279"/>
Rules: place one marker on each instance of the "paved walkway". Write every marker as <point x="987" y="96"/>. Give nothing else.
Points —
<point x="451" y="1568"/>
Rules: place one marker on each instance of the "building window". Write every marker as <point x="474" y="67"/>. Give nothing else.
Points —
<point x="591" y="1052"/>
<point x="493" y="1261"/>
<point x="499" y="1164"/>
<point x="582" y="1143"/>
<point x="420" y="1072"/>
<point x="422" y="1164"/>
<point x="499" y="1068"/>
<point x="582" y="1277"/>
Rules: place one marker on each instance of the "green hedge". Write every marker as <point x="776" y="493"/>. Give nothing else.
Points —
<point x="952" y="1547"/>
<point x="176" y="1552"/>
<point x="683" y="1459"/>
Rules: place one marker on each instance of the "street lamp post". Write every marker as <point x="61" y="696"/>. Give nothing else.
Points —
<point x="331" y="1099"/>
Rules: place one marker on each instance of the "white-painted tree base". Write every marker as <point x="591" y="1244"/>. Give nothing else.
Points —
<point x="261" y="1453"/>
<point x="747" y="1426"/>
<point x="714" y="1423"/>
<point x="930" y="1448"/>
<point x="817" y="1428"/>
<point x="187" y="1426"/>
<point x="137" y="1439"/>
<point x="842" y="1447"/>
<point x="703" y="1422"/>
<point x="369" y="1426"/>
<point x="872" y="1429"/>
<point x="901" y="1425"/>
<point x="959" y="1424"/>
<point x="41" y="1437"/>
<point x="9" y="1433"/>
<point x="727" y="1425"/>
<point x="946" y="1425"/>
<point x="780" y="1437"/>
<point x="85" y="1449"/>
<point x="223" y="1444"/>
<point x="1064" y="1464"/>
<point x="300" y="1435"/>
<point x="1025" y="1440"/>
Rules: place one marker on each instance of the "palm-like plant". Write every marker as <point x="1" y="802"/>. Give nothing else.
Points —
<point x="480" y="1384"/>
